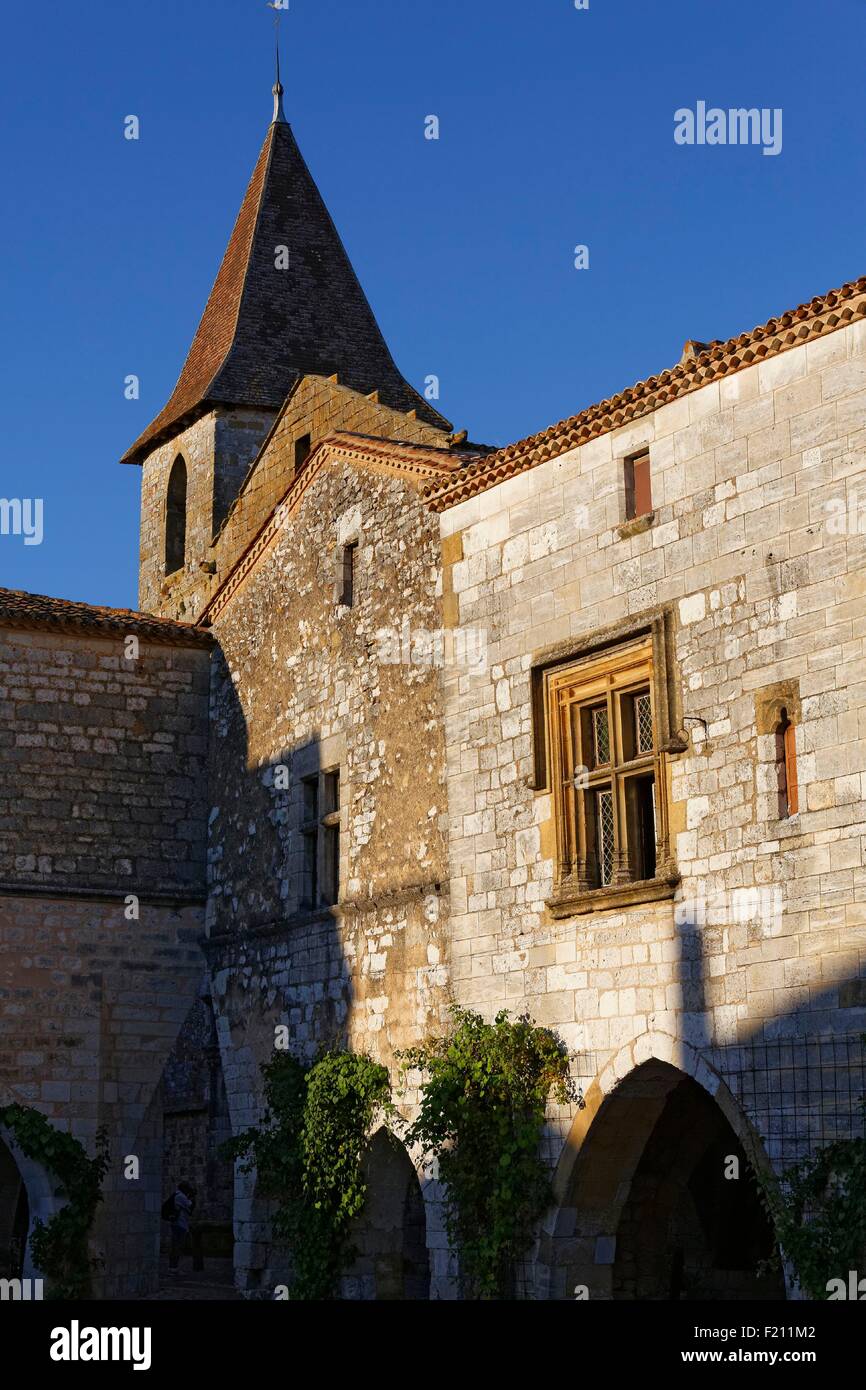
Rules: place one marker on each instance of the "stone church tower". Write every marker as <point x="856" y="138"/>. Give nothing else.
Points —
<point x="286" y="304"/>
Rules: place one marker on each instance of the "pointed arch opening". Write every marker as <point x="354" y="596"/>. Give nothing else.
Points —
<point x="175" y="517"/>
<point x="390" y="1235"/>
<point x="662" y="1203"/>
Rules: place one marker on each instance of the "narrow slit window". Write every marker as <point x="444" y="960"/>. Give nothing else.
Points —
<point x="347" y="574"/>
<point x="331" y="838"/>
<point x="786" y="766"/>
<point x="175" y="517"/>
<point x="638" y="486"/>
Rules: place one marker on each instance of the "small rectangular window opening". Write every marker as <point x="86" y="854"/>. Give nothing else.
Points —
<point x="786" y="767"/>
<point x="638" y="486"/>
<point x="347" y="574"/>
<point x="302" y="451"/>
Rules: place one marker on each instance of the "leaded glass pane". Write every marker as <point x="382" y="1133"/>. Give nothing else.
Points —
<point x="604" y="804"/>
<point x="643" y="718"/>
<point x="600" y="735"/>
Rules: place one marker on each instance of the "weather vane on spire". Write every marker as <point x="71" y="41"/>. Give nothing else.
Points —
<point x="278" y="6"/>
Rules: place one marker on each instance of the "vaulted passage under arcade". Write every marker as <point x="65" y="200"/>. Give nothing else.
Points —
<point x="688" y="1231"/>
<point x="391" y="1235"/>
<point x="663" y="1203"/>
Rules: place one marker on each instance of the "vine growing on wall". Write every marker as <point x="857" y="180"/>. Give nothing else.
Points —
<point x="60" y="1246"/>
<point x="481" y="1116"/>
<point x="308" y="1155"/>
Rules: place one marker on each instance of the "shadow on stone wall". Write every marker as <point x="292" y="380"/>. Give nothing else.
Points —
<point x="656" y="1189"/>
<point x="283" y="971"/>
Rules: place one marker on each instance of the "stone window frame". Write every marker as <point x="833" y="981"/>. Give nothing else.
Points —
<point x="322" y="763"/>
<point x="778" y="711"/>
<point x="648" y="639"/>
<point x="320" y="827"/>
<point x="347" y="554"/>
<point x="631" y="525"/>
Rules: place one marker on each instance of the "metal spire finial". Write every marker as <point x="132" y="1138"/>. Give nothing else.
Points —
<point x="279" y="114"/>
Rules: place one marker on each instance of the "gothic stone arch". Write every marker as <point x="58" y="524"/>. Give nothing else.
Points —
<point x="635" y="1214"/>
<point x="390" y="1235"/>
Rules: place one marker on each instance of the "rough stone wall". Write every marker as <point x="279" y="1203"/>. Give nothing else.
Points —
<point x="90" y="1005"/>
<point x="300" y="685"/>
<point x="103" y="804"/>
<point x="104" y="763"/>
<point x="218" y="450"/>
<point x="317" y="407"/>
<point x="232" y="488"/>
<point x="757" y="548"/>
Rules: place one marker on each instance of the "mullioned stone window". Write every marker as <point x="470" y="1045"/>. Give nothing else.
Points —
<point x="608" y="715"/>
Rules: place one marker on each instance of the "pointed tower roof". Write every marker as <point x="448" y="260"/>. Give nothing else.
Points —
<point x="264" y="327"/>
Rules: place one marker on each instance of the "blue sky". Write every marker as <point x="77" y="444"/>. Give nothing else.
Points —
<point x="556" y="129"/>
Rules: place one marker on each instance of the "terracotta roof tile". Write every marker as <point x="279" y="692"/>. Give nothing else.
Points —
<point x="24" y="610"/>
<point x="819" y="316"/>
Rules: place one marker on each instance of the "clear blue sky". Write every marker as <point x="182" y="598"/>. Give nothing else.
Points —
<point x="556" y="129"/>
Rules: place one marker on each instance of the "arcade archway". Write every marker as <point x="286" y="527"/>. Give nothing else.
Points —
<point x="391" y="1234"/>
<point x="662" y="1201"/>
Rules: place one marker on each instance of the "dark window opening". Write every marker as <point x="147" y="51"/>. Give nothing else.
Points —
<point x="175" y="517"/>
<point x="641" y="815"/>
<point x="638" y="486"/>
<point x="347" y="574"/>
<point x="310" y="835"/>
<point x="331" y="838"/>
<point x="786" y="767"/>
<point x="320" y="832"/>
<point x="302" y="451"/>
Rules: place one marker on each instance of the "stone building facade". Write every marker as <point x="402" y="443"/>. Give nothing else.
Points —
<point x="103" y="830"/>
<point x="573" y="727"/>
<point x="748" y="577"/>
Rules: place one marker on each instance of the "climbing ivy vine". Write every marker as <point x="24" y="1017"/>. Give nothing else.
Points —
<point x="482" y="1111"/>
<point x="308" y="1155"/>
<point x="59" y="1247"/>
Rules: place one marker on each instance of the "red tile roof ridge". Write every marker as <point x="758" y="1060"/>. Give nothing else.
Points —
<point x="21" y="609"/>
<point x="720" y="358"/>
